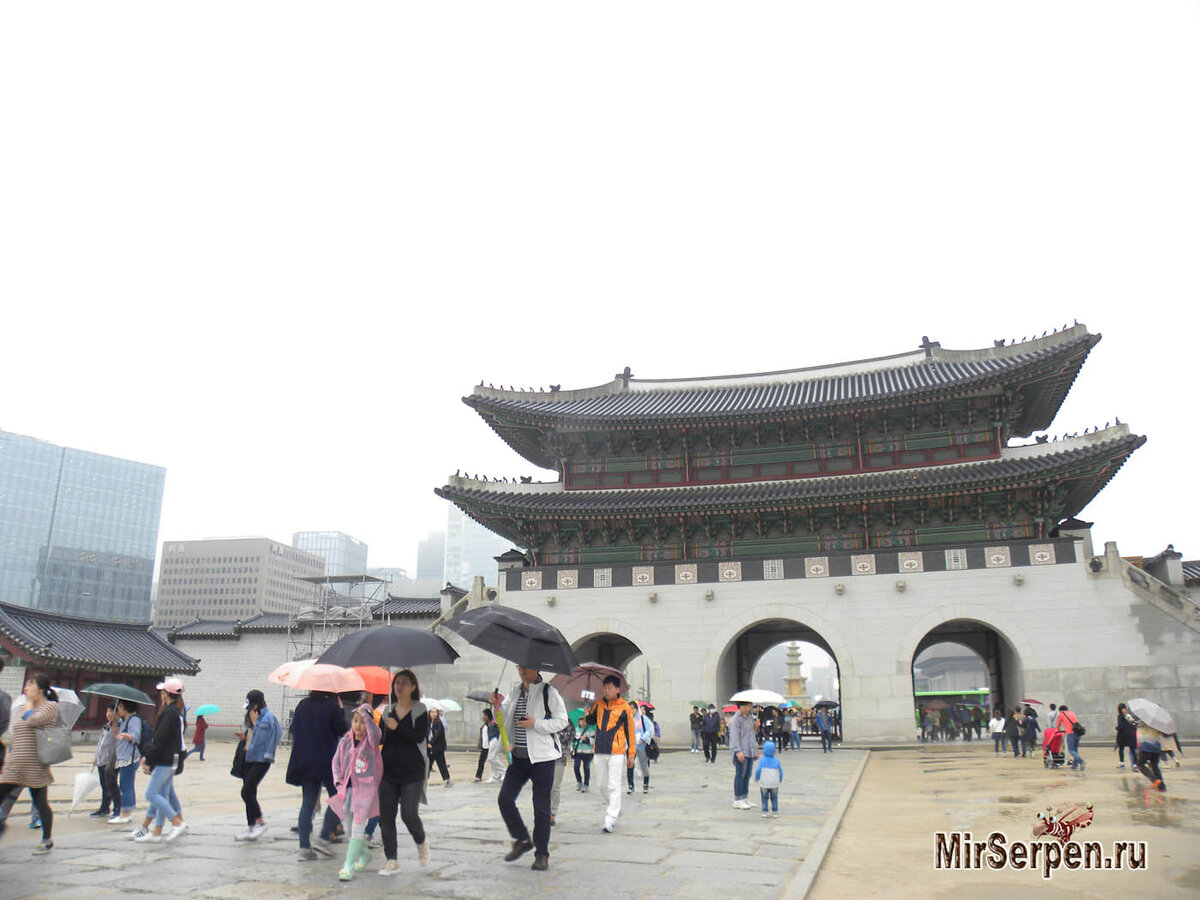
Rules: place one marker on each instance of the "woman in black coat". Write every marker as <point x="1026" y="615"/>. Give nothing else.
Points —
<point x="437" y="746"/>
<point x="317" y="725"/>
<point x="1126" y="736"/>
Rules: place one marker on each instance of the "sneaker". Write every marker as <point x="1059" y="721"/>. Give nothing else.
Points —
<point x="245" y="835"/>
<point x="607" y="829"/>
<point x="423" y="852"/>
<point x="34" y="824"/>
<point x="645" y="790"/>
<point x="320" y="848"/>
<point x="746" y="804"/>
<point x="391" y="867"/>
<point x="579" y="787"/>
<point x="519" y="849"/>
<point x="774" y="815"/>
<point x="373" y="842"/>
<point x="306" y="854"/>
<point x="478" y="780"/>
<point x="149" y="837"/>
<point x="135" y="834"/>
<point x="120" y="820"/>
<point x="100" y="814"/>
<point x="541" y="862"/>
<point x="256" y="832"/>
<point x="43" y="848"/>
<point x="1120" y="765"/>
<point x="176" y="832"/>
<point x="584" y="789"/>
<point x="764" y="815"/>
<point x="630" y="791"/>
<point x="448" y="784"/>
<point x="737" y="804"/>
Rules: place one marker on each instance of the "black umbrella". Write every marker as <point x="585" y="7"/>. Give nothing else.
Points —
<point x="826" y="704"/>
<point x="515" y="636"/>
<point x="118" y="692"/>
<point x="389" y="645"/>
<point x="481" y="696"/>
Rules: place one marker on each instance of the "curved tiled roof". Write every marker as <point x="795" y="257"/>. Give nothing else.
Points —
<point x="1042" y="370"/>
<point x="1016" y="466"/>
<point x="413" y="607"/>
<point x="60" y="641"/>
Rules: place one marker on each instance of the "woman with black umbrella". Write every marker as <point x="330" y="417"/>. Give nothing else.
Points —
<point x="405" y="768"/>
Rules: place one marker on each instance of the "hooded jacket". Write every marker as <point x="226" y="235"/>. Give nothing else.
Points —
<point x="614" y="727"/>
<point x="768" y="773"/>
<point x="359" y="767"/>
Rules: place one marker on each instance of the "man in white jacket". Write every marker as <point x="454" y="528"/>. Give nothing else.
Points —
<point x="534" y="713"/>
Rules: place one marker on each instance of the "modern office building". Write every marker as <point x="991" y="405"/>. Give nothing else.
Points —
<point x="234" y="579"/>
<point x="78" y="530"/>
<point x="470" y="549"/>
<point x="431" y="557"/>
<point x="343" y="554"/>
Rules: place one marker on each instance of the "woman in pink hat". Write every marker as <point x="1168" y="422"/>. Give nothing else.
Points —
<point x="162" y="758"/>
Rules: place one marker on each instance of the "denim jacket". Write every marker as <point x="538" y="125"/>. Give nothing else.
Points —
<point x="264" y="738"/>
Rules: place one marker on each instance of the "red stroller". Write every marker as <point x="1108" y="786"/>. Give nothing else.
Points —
<point x="1052" y="748"/>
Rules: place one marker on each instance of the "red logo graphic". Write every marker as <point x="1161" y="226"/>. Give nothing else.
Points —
<point x="1061" y="823"/>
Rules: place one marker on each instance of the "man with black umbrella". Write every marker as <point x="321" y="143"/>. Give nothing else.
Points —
<point x="533" y="714"/>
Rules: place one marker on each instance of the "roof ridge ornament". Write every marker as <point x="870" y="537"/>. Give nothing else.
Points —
<point x="929" y="346"/>
<point x="624" y="378"/>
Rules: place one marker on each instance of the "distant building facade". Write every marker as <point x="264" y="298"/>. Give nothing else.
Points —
<point x="343" y="554"/>
<point x="233" y="578"/>
<point x="470" y="549"/>
<point x="78" y="530"/>
<point x="431" y="557"/>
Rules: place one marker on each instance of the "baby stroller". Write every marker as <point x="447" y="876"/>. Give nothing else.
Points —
<point x="1052" y="748"/>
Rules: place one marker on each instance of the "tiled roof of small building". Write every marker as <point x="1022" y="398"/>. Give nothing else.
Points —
<point x="1015" y="466"/>
<point x="1191" y="572"/>
<point x="409" y="607"/>
<point x="60" y="641"/>
<point x="1049" y="364"/>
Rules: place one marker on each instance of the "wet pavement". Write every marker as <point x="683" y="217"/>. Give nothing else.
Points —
<point x="682" y="839"/>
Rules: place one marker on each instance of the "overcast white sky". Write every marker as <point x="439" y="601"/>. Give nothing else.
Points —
<point x="270" y="245"/>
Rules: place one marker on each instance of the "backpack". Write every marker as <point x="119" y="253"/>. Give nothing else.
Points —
<point x="144" y="740"/>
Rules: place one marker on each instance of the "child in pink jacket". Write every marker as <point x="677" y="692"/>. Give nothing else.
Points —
<point x="357" y="767"/>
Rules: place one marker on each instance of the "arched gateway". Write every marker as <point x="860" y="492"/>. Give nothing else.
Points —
<point x="868" y="507"/>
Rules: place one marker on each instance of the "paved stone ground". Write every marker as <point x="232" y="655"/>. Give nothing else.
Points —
<point x="683" y="840"/>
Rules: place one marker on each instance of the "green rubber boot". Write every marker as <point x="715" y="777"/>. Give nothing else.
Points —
<point x="357" y="845"/>
<point x="364" y="857"/>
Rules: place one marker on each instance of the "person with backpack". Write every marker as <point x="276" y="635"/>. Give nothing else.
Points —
<point x="1068" y="724"/>
<point x="643" y="729"/>
<point x="131" y="732"/>
<point x="534" y="714"/>
<point x="22" y="768"/>
<point x="163" y="755"/>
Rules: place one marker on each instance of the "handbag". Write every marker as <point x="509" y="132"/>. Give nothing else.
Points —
<point x="652" y="750"/>
<point x="238" y="769"/>
<point x="53" y="743"/>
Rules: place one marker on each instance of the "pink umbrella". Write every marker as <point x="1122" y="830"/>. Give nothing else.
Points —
<point x="588" y="676"/>
<point x="310" y="675"/>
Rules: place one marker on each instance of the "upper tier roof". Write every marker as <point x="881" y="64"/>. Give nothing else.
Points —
<point x="60" y="641"/>
<point x="1027" y="465"/>
<point x="1041" y="371"/>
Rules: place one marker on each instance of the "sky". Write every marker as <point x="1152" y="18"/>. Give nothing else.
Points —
<point x="271" y="246"/>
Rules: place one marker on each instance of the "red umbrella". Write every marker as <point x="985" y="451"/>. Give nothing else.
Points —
<point x="1033" y="702"/>
<point x="645" y="704"/>
<point x="732" y="707"/>
<point x="587" y="676"/>
<point x="377" y="679"/>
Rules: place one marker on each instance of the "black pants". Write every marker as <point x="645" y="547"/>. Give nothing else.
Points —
<point x="1147" y="763"/>
<point x="440" y="759"/>
<point x="255" y="773"/>
<point x="110" y="793"/>
<point x="483" y="755"/>
<point x="9" y="794"/>
<point x="710" y="746"/>
<point x="542" y="776"/>
<point x="406" y="798"/>
<point x="583" y="761"/>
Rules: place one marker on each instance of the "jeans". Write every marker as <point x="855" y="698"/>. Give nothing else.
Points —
<point x="158" y="795"/>
<point x="795" y="740"/>
<point x="771" y="795"/>
<point x="255" y="773"/>
<point x="199" y="749"/>
<point x="741" y="777"/>
<point x="542" y="776"/>
<point x="1073" y="749"/>
<point x="1015" y="742"/>
<point x="826" y="741"/>
<point x="1147" y="764"/>
<point x="695" y="741"/>
<point x="125" y="778"/>
<point x="997" y="742"/>
<point x="406" y="798"/>
<point x="643" y="763"/>
<point x="310" y="797"/>
<point x="1121" y="748"/>
<point x="584" y="761"/>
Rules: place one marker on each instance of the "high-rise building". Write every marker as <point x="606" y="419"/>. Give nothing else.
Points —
<point x="431" y="557"/>
<point x="470" y="549"/>
<point x="78" y="530"/>
<point x="343" y="554"/>
<point x="233" y="578"/>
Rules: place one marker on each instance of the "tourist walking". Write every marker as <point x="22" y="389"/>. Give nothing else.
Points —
<point x="825" y="730"/>
<point x="710" y="728"/>
<point x="1126" y="729"/>
<point x="357" y="768"/>
<point x="129" y="755"/>
<point x="996" y="730"/>
<point x="22" y="768"/>
<point x="583" y="750"/>
<point x="105" y="761"/>
<point x="317" y="725"/>
<point x="163" y="755"/>
<point x="1150" y="747"/>
<point x="534" y="712"/>
<point x="695" y="721"/>
<point x="497" y="755"/>
<point x="5" y="715"/>
<point x="1029" y="731"/>
<point x="485" y="741"/>
<point x="1069" y="725"/>
<point x="794" y="730"/>
<point x="643" y="729"/>
<point x="615" y="748"/>
<point x="437" y="747"/>
<point x="405" y="768"/>
<point x="743" y="749"/>
<point x="565" y="739"/>
<point x="768" y="775"/>
<point x="200" y="737"/>
<point x="261" y="732"/>
<point x="1013" y="731"/>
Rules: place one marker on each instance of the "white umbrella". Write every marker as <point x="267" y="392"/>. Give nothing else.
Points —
<point x="85" y="783"/>
<point x="1153" y="715"/>
<point x="450" y="706"/>
<point x="434" y="704"/>
<point x="757" y="697"/>
<point x="70" y="707"/>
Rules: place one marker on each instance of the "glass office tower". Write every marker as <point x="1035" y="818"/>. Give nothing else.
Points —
<point x="343" y="554"/>
<point x="78" y="530"/>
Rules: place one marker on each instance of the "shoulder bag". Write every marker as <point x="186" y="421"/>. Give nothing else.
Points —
<point x="53" y="743"/>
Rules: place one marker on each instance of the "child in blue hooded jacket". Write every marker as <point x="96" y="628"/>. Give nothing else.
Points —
<point x="769" y="775"/>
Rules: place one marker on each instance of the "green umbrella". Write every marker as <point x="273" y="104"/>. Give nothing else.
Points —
<point x="703" y="704"/>
<point x="208" y="709"/>
<point x="576" y="714"/>
<point x="118" y="692"/>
